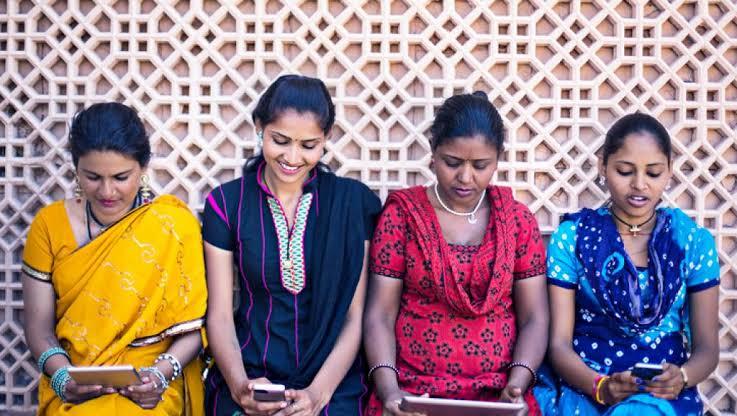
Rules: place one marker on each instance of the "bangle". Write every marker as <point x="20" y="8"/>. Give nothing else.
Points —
<point x="158" y="374"/>
<point x="50" y="353"/>
<point x="685" y="378"/>
<point x="526" y="366"/>
<point x="597" y="389"/>
<point x="59" y="381"/>
<point x="382" y="365"/>
<point x="175" y="364"/>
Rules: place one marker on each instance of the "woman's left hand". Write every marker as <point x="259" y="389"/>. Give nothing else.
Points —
<point x="146" y="395"/>
<point x="668" y="385"/>
<point x="304" y="403"/>
<point x="511" y="394"/>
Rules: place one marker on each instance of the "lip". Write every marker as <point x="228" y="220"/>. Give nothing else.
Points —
<point x="107" y="203"/>
<point x="286" y="171"/>
<point x="637" y="201"/>
<point x="463" y="192"/>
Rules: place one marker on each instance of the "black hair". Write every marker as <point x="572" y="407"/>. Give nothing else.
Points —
<point x="468" y="115"/>
<point x="297" y="93"/>
<point x="631" y="124"/>
<point x="109" y="127"/>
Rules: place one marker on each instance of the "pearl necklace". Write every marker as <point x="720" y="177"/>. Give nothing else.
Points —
<point x="471" y="215"/>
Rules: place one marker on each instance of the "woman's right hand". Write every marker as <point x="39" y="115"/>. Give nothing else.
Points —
<point x="392" y="401"/>
<point x="78" y="393"/>
<point x="619" y="386"/>
<point x="242" y="394"/>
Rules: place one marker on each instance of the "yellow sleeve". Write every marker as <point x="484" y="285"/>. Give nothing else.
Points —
<point x="38" y="257"/>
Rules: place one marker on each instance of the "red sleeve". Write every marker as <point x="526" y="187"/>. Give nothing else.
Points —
<point x="388" y="244"/>
<point x="530" y="251"/>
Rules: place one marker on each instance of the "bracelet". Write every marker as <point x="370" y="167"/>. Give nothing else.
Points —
<point x="175" y="364"/>
<point x="525" y="365"/>
<point x="50" y="353"/>
<point x="382" y="365"/>
<point x="156" y="372"/>
<point x="597" y="390"/>
<point x="685" y="378"/>
<point x="59" y="381"/>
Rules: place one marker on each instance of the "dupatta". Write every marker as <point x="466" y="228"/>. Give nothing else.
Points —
<point x="123" y="296"/>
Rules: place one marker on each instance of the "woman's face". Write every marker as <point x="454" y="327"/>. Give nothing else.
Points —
<point x="293" y="145"/>
<point x="636" y="176"/>
<point x="464" y="167"/>
<point x="110" y="182"/>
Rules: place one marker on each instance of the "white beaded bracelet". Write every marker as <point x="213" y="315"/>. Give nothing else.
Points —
<point x="175" y="364"/>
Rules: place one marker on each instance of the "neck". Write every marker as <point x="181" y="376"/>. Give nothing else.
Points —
<point x="454" y="205"/>
<point x="282" y="191"/>
<point x="624" y="222"/>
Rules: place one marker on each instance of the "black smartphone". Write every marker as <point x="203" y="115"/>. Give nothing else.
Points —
<point x="647" y="371"/>
<point x="269" y="392"/>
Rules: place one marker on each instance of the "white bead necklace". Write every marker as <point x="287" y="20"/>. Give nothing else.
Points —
<point x="471" y="215"/>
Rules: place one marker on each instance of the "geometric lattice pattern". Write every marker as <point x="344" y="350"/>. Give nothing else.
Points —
<point x="560" y="73"/>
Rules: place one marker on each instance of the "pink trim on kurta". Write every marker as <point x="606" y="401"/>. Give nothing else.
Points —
<point x="217" y="209"/>
<point x="266" y="287"/>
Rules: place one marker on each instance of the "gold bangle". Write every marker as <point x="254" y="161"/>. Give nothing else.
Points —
<point x="598" y="397"/>
<point x="685" y="377"/>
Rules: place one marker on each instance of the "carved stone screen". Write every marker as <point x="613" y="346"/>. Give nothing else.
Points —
<point x="559" y="72"/>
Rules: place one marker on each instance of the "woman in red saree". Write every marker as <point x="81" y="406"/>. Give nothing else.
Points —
<point x="457" y="305"/>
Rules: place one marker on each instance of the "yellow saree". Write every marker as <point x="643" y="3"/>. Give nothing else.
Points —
<point x="123" y="297"/>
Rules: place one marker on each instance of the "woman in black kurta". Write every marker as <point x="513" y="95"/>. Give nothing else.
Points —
<point x="297" y="279"/>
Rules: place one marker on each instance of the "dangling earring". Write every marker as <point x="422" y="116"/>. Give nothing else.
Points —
<point x="602" y="181"/>
<point x="260" y="138"/>
<point x="667" y="187"/>
<point x="145" y="189"/>
<point x="77" y="189"/>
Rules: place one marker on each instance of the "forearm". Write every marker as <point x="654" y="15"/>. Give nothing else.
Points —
<point x="225" y="349"/>
<point x="184" y="348"/>
<point x="341" y="358"/>
<point x="40" y="340"/>
<point x="380" y="347"/>
<point x="529" y="350"/>
<point x="572" y="369"/>
<point x="701" y="364"/>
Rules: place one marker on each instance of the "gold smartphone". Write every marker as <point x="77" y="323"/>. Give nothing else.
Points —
<point x="107" y="376"/>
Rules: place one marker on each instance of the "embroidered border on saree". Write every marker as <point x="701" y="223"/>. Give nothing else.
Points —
<point x="174" y="330"/>
<point x="36" y="274"/>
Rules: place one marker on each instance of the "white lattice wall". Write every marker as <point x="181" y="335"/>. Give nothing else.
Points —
<point x="560" y="73"/>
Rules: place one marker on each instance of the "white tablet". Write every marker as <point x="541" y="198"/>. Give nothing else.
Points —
<point x="450" y="407"/>
<point x="106" y="376"/>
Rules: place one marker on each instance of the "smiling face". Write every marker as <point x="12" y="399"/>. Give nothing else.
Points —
<point x="293" y="145"/>
<point x="636" y="175"/>
<point x="464" y="167"/>
<point x="110" y="182"/>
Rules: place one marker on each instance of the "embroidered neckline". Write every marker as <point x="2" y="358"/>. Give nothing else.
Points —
<point x="291" y="247"/>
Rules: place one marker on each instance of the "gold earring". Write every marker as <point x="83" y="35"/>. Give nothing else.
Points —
<point x="77" y="189"/>
<point x="145" y="189"/>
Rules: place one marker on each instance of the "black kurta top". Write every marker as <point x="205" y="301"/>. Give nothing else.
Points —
<point x="293" y="297"/>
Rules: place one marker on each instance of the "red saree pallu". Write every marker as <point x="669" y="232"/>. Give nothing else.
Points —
<point x="456" y="328"/>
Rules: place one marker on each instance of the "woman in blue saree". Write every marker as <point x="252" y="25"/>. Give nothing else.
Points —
<point x="631" y="283"/>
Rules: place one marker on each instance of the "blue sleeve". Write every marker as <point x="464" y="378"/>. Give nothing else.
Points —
<point x="562" y="264"/>
<point x="216" y="226"/>
<point x="702" y="268"/>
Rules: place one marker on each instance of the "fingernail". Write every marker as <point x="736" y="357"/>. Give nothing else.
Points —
<point x="656" y="378"/>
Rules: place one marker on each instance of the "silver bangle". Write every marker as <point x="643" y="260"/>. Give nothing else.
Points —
<point x="156" y="372"/>
<point x="175" y="364"/>
<point x="382" y="365"/>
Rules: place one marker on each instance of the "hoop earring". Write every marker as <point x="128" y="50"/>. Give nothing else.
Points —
<point x="260" y="139"/>
<point x="77" y="189"/>
<point x="602" y="181"/>
<point x="145" y="189"/>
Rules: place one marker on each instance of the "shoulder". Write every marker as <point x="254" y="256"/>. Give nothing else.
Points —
<point x="232" y="187"/>
<point x="688" y="233"/>
<point x="353" y="188"/>
<point x="52" y="213"/>
<point x="169" y="207"/>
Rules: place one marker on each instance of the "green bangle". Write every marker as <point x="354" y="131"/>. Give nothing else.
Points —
<point x="59" y="381"/>
<point x="48" y="354"/>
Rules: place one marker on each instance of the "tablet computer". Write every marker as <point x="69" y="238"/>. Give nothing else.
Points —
<point x="450" y="407"/>
<point x="107" y="376"/>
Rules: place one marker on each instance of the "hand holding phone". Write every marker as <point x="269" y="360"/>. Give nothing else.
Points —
<point x="647" y="371"/>
<point x="269" y="392"/>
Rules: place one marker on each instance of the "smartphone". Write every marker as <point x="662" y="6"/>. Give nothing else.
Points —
<point x="647" y="371"/>
<point x="269" y="392"/>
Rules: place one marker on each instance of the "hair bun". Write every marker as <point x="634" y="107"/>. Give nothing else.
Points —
<point x="480" y="94"/>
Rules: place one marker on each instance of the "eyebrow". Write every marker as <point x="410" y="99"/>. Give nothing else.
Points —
<point x="472" y="160"/>
<point x="115" y="174"/>
<point x="289" y="138"/>
<point x="632" y="164"/>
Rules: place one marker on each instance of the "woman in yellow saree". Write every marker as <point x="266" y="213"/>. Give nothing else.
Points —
<point x="111" y="278"/>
